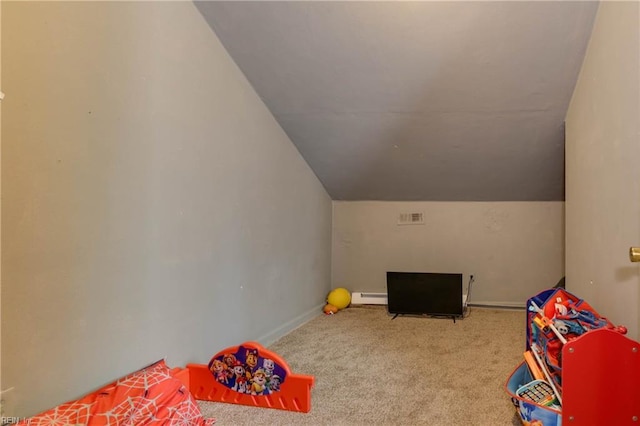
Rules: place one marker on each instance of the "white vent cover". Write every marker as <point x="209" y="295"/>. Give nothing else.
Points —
<point x="411" y="219"/>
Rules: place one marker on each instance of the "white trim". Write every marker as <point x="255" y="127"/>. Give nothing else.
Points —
<point x="492" y="304"/>
<point x="291" y="325"/>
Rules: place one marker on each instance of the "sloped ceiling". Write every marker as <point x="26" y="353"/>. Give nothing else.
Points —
<point x="447" y="101"/>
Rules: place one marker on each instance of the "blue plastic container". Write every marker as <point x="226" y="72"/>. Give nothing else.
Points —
<point x="530" y="412"/>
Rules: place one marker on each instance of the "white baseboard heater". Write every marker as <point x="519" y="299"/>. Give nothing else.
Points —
<point x="373" y="298"/>
<point x="367" y="298"/>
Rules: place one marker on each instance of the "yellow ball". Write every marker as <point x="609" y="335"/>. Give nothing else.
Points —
<point x="339" y="297"/>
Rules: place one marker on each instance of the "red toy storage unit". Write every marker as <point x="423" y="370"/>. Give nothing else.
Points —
<point x="579" y="368"/>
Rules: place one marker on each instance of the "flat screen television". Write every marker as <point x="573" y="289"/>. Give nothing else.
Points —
<point x="424" y="293"/>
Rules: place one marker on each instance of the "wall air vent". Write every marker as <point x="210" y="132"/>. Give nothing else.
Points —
<point x="411" y="219"/>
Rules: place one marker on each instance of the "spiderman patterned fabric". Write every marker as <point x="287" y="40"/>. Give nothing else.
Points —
<point x="151" y="396"/>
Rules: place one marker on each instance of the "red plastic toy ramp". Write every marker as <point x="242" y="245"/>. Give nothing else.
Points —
<point x="600" y="380"/>
<point x="293" y="394"/>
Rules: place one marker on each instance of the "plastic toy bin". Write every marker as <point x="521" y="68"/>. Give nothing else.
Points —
<point x="530" y="412"/>
<point x="592" y="368"/>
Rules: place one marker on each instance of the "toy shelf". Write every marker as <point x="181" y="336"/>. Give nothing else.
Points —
<point x="600" y="375"/>
<point x="592" y="366"/>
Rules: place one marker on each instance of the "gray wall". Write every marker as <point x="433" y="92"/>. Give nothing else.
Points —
<point x="0" y="196"/>
<point x="152" y="207"/>
<point x="513" y="249"/>
<point x="603" y="178"/>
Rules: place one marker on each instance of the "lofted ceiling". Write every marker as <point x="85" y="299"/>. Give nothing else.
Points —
<point x="430" y="101"/>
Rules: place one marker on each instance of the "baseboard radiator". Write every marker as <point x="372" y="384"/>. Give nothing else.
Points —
<point x="363" y="298"/>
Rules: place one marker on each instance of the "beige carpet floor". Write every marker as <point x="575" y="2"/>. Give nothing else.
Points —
<point x="371" y="369"/>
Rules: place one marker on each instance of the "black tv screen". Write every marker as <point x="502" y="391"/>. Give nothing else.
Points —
<point x="420" y="293"/>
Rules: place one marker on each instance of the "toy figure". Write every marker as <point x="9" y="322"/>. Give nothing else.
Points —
<point x="259" y="383"/>
<point x="243" y="385"/>
<point x="219" y="370"/>
<point x="274" y="383"/>
<point x="239" y="379"/>
<point x="268" y="365"/>
<point x="230" y="360"/>
<point x="251" y="361"/>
